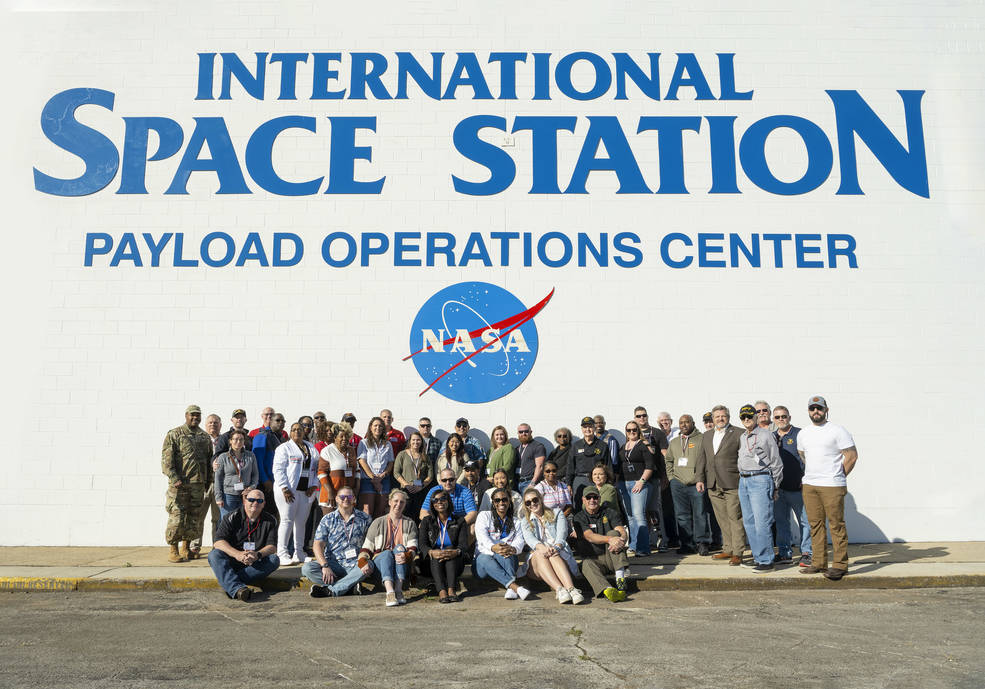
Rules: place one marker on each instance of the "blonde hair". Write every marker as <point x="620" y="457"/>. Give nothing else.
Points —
<point x="547" y="516"/>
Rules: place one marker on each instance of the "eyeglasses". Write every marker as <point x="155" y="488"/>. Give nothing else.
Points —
<point x="500" y="501"/>
<point x="781" y="416"/>
<point x="641" y="416"/>
<point x="425" y="425"/>
<point x="532" y="502"/>
<point x="346" y="498"/>
<point x="746" y="416"/>
<point x="254" y="500"/>
<point x="762" y="411"/>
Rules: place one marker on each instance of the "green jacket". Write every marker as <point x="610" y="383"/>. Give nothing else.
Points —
<point x="675" y="453"/>
<point x="187" y="456"/>
<point x="503" y="457"/>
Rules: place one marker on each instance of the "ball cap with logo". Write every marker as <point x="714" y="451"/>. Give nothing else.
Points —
<point x="239" y="412"/>
<point x="193" y="409"/>
<point x="591" y="490"/>
<point x="587" y="421"/>
<point x="747" y="410"/>
<point x="817" y="400"/>
<point x="462" y="421"/>
<point x="707" y="417"/>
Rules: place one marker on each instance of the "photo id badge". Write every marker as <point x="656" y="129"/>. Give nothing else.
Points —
<point x="350" y="554"/>
<point x="249" y="545"/>
<point x="348" y="473"/>
<point x="238" y="486"/>
<point x="418" y="482"/>
<point x="682" y="462"/>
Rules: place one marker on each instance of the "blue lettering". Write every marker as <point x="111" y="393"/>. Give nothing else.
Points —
<point x="259" y="157"/>
<point x="620" y="158"/>
<point x="326" y="249"/>
<point x="206" y="249"/>
<point x="135" y="158"/>
<point x="211" y="130"/>
<point x="665" y="250"/>
<point x="345" y="153"/>
<point x="502" y="169"/>
<point x="670" y="142"/>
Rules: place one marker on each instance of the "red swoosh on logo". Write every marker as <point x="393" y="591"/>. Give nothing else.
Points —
<point x="513" y="322"/>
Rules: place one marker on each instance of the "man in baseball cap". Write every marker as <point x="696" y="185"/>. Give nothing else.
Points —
<point x="829" y="455"/>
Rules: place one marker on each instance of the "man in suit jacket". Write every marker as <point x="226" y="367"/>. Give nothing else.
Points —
<point x="717" y="471"/>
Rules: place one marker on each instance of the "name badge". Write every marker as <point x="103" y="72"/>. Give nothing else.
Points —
<point x="238" y="486"/>
<point x="249" y="545"/>
<point x="418" y="482"/>
<point x="682" y="462"/>
<point x="348" y="473"/>
<point x="350" y="553"/>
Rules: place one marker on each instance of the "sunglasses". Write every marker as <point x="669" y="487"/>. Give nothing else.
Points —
<point x="781" y="416"/>
<point x="254" y="500"/>
<point x="817" y="407"/>
<point x="500" y="501"/>
<point x="531" y="503"/>
<point x="591" y="497"/>
<point x="446" y="480"/>
<point x="550" y="471"/>
<point x="746" y="416"/>
<point x="632" y="430"/>
<point x="425" y="425"/>
<point x="346" y="498"/>
<point x="436" y="500"/>
<point x="762" y="411"/>
<point x="523" y="432"/>
<point x="641" y="416"/>
<point x="562" y="437"/>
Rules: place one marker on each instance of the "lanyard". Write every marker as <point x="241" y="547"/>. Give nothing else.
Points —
<point x="443" y="539"/>
<point x="416" y="463"/>
<point x="249" y="531"/>
<point x="349" y="528"/>
<point x="748" y="446"/>
<point x="392" y="533"/>
<point x="235" y="464"/>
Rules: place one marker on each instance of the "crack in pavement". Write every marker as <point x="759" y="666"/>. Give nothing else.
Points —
<point x="577" y="633"/>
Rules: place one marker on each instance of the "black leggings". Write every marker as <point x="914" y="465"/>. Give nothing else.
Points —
<point x="445" y="573"/>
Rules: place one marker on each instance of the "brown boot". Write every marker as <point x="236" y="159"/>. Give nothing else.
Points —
<point x="185" y="555"/>
<point x="175" y="556"/>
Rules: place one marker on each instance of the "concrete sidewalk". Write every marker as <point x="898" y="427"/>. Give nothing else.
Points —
<point x="879" y="565"/>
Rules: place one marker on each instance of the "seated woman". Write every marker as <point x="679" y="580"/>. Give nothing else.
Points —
<point x="236" y="473"/>
<point x="392" y="543"/>
<point x="453" y="457"/>
<point x="602" y="479"/>
<point x="557" y="494"/>
<point x="498" y="542"/>
<point x="502" y="455"/>
<point x="444" y="539"/>
<point x="413" y="471"/>
<point x="500" y="479"/>
<point x="337" y="465"/>
<point x="546" y="534"/>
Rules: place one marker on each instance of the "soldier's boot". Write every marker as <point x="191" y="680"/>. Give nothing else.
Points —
<point x="185" y="554"/>
<point x="175" y="556"/>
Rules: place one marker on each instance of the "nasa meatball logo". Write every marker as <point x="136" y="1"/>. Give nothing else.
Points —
<point x="474" y="342"/>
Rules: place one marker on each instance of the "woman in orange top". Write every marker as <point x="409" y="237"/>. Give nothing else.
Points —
<point x="337" y="466"/>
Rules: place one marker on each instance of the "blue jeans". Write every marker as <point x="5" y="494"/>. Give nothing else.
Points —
<point x="756" y="499"/>
<point x="692" y="521"/>
<point x="502" y="569"/>
<point x="345" y="579"/>
<point x="522" y="486"/>
<point x="388" y="568"/>
<point x="791" y="501"/>
<point x="635" y="504"/>
<point x="234" y="575"/>
<point x="230" y="503"/>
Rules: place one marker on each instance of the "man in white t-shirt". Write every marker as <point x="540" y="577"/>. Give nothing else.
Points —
<point x="829" y="455"/>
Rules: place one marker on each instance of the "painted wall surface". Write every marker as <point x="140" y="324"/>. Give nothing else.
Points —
<point x="101" y="360"/>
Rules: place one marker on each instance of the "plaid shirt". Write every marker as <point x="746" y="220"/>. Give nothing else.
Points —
<point x="339" y="535"/>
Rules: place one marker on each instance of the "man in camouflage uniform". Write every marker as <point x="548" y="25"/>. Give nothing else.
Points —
<point x="186" y="460"/>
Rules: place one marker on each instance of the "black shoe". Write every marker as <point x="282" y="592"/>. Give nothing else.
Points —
<point x="762" y="569"/>
<point x="703" y="550"/>
<point x="318" y="592"/>
<point x="244" y="594"/>
<point x="783" y="559"/>
<point x="685" y="550"/>
<point x="455" y="598"/>
<point x="674" y="544"/>
<point x="661" y="548"/>
<point x="835" y="574"/>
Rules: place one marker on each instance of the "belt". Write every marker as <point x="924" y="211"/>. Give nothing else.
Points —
<point x="755" y="473"/>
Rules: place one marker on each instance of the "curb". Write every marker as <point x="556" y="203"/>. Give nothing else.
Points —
<point x="660" y="583"/>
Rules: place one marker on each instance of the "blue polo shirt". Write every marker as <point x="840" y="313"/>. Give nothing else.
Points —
<point x="462" y="501"/>
<point x="793" y="468"/>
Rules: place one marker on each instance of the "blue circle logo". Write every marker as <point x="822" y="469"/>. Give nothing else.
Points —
<point x="474" y="342"/>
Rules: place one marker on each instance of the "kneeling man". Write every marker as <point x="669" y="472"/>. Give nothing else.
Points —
<point x="246" y="541"/>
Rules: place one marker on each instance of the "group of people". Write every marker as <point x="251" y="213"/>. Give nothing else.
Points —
<point x="388" y="504"/>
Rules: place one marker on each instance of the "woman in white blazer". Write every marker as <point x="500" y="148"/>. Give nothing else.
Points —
<point x="295" y="483"/>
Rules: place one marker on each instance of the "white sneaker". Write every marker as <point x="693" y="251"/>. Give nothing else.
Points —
<point x="285" y="560"/>
<point x="563" y="596"/>
<point x="522" y="592"/>
<point x="576" y="596"/>
<point x="511" y="595"/>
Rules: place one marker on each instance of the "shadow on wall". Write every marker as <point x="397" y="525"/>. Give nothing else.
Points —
<point x="860" y="528"/>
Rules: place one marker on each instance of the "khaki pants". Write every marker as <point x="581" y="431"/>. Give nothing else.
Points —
<point x="596" y="568"/>
<point x="827" y="503"/>
<point x="728" y="514"/>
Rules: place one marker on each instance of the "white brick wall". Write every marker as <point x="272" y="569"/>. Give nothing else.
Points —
<point x="101" y="361"/>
